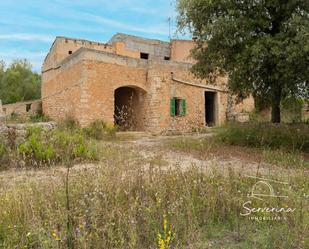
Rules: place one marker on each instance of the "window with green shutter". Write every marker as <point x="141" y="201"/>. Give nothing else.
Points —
<point x="178" y="107"/>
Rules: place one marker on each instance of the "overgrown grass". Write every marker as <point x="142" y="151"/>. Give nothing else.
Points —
<point x="277" y="146"/>
<point x="283" y="136"/>
<point x="129" y="202"/>
<point x="67" y="143"/>
<point x="122" y="204"/>
<point x="285" y="159"/>
<point x="56" y="146"/>
<point x="26" y="118"/>
<point x="35" y="118"/>
<point x="46" y="148"/>
<point x="100" y="130"/>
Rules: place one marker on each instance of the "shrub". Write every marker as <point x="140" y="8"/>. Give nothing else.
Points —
<point x="72" y="145"/>
<point x="293" y="136"/>
<point x="34" y="118"/>
<point x="69" y="123"/>
<point x="292" y="109"/>
<point x="100" y="130"/>
<point x="51" y="147"/>
<point x="36" y="149"/>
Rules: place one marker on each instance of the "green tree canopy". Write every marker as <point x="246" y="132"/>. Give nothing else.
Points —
<point x="263" y="45"/>
<point x="18" y="82"/>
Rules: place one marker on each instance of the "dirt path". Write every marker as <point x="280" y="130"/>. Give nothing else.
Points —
<point x="153" y="148"/>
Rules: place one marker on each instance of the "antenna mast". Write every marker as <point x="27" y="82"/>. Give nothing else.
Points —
<point x="169" y="28"/>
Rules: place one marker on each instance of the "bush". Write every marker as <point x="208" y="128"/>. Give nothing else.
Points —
<point x="293" y="136"/>
<point x="100" y="130"/>
<point x="35" y="118"/>
<point x="72" y="145"/>
<point x="292" y="109"/>
<point x="37" y="150"/>
<point x="56" y="146"/>
<point x="69" y="123"/>
<point x="66" y="143"/>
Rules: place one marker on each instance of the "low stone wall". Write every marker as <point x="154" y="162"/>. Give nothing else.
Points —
<point x="238" y="117"/>
<point x="43" y="125"/>
<point x="18" y="131"/>
<point x="22" y="108"/>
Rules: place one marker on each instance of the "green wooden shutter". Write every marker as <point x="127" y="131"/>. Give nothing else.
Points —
<point x="184" y="107"/>
<point x="173" y="107"/>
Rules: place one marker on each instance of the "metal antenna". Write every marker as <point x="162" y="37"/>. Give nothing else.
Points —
<point x="170" y="23"/>
<point x="169" y="28"/>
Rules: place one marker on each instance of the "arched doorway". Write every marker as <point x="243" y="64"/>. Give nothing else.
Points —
<point x="129" y="108"/>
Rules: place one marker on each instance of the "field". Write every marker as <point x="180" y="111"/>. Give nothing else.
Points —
<point x="134" y="190"/>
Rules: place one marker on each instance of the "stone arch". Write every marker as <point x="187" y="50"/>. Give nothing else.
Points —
<point x="129" y="107"/>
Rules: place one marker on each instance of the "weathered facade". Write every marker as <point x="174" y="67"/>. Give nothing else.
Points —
<point x="142" y="83"/>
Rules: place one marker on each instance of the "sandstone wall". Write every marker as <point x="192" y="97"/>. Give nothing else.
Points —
<point x="181" y="50"/>
<point x="84" y="87"/>
<point x="61" y="94"/>
<point x="132" y="46"/>
<point x="102" y="80"/>
<point x="64" y="47"/>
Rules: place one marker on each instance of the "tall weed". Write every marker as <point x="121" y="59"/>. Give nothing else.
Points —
<point x="291" y="137"/>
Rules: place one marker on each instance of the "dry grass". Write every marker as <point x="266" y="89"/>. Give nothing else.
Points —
<point x="210" y="147"/>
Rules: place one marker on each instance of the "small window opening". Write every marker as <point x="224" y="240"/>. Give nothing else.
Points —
<point x="167" y="58"/>
<point x="28" y="107"/>
<point x="178" y="107"/>
<point x="70" y="52"/>
<point x="66" y="41"/>
<point x="144" y="56"/>
<point x="4" y="110"/>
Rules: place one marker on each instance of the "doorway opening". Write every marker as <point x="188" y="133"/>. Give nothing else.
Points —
<point x="210" y="108"/>
<point x="129" y="108"/>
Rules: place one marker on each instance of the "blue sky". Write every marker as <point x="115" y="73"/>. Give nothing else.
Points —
<point x="28" y="27"/>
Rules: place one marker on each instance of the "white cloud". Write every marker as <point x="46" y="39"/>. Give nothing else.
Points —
<point x="26" y="37"/>
<point x="68" y="10"/>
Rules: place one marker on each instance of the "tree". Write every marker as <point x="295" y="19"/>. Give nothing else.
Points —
<point x="2" y="72"/>
<point x="262" y="45"/>
<point x="19" y="83"/>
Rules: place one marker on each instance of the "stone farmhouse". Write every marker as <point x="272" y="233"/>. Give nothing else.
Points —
<point x="130" y="81"/>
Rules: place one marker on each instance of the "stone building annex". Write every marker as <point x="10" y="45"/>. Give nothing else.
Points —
<point x="131" y="81"/>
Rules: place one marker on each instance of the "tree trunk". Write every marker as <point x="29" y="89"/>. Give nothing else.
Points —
<point x="275" y="110"/>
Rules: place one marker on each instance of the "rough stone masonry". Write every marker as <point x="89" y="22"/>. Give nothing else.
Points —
<point x="131" y="81"/>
